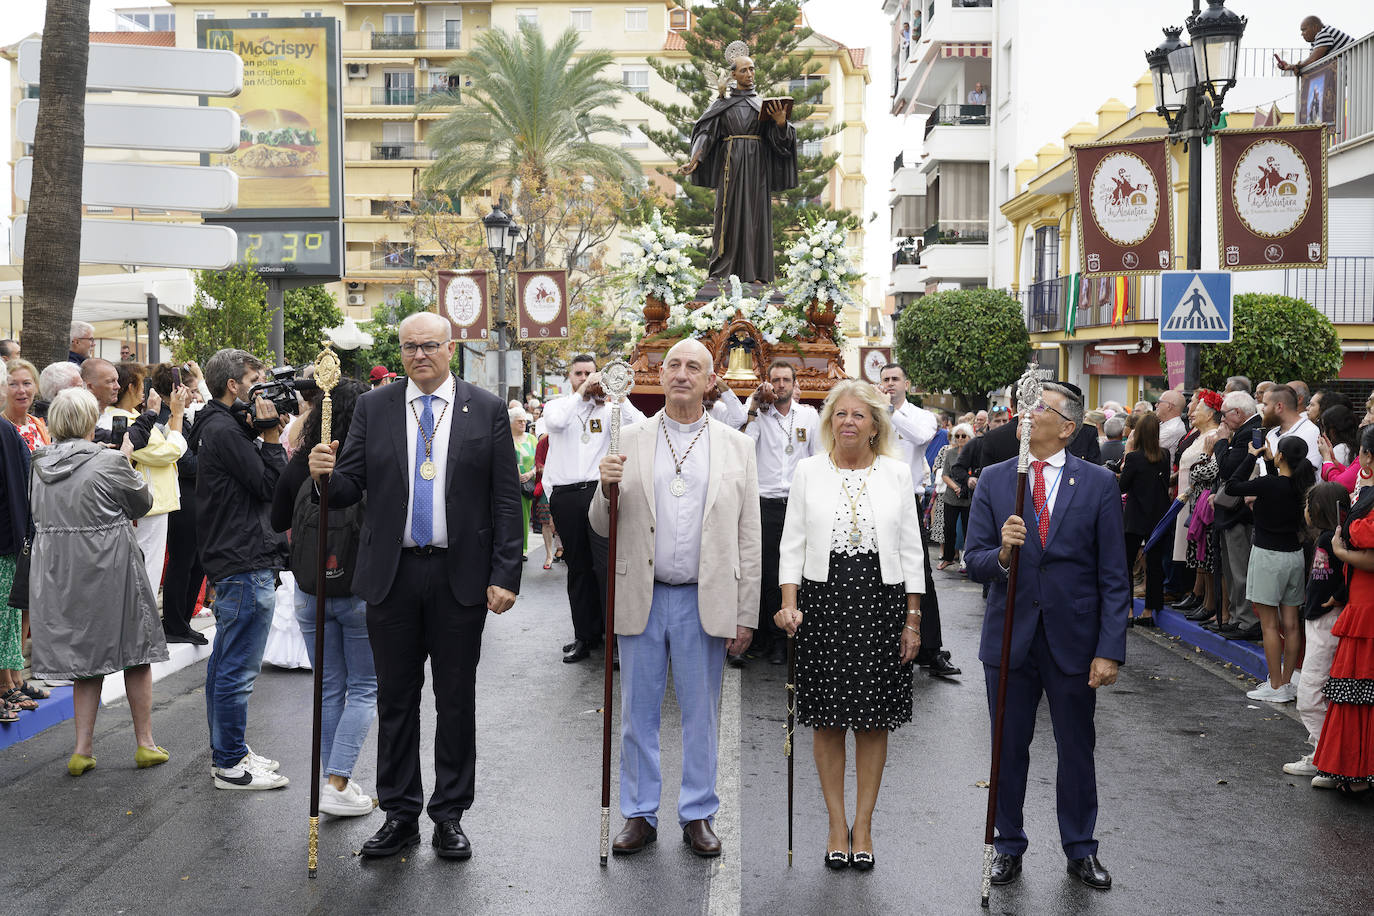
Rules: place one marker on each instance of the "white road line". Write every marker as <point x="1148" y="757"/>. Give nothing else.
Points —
<point x="724" y="886"/>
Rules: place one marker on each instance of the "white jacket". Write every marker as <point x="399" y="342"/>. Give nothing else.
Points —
<point x="807" y="531"/>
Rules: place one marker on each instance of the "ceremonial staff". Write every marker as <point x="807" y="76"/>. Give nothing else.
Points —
<point x="617" y="379"/>
<point x="326" y="377"/>
<point x="1028" y="392"/>
<point x="791" y="728"/>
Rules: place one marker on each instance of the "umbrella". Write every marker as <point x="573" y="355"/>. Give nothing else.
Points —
<point x="1166" y="524"/>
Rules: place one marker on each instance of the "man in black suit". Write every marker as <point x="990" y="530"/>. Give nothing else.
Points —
<point x="1240" y="420"/>
<point x="440" y="547"/>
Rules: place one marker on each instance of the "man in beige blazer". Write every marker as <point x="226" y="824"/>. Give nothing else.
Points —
<point x="687" y="590"/>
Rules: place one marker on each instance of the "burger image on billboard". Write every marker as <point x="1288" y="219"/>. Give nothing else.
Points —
<point x="275" y="143"/>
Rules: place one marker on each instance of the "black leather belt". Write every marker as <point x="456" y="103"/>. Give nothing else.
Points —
<point x="773" y="499"/>
<point x="426" y="551"/>
<point x="584" y="485"/>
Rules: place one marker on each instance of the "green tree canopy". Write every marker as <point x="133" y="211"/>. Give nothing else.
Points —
<point x="531" y="106"/>
<point x="771" y="30"/>
<point x="307" y="313"/>
<point x="1276" y="337"/>
<point x="386" y="339"/>
<point x="965" y="341"/>
<point x="230" y="311"/>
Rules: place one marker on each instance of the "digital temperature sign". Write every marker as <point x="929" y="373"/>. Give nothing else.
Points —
<point x="277" y="248"/>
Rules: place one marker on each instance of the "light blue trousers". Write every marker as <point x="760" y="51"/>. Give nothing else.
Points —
<point x="673" y="634"/>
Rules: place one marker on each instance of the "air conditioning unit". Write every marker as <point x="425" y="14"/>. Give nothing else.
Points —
<point x="357" y="299"/>
<point x="423" y="63"/>
<point x="357" y="71"/>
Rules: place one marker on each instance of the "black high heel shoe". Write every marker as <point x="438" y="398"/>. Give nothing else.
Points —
<point x="837" y="859"/>
<point x="860" y="861"/>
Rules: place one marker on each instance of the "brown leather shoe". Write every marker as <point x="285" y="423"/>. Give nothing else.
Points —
<point x="634" y="836"/>
<point x="702" y="839"/>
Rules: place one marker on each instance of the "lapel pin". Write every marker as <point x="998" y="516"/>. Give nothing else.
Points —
<point x="465" y="410"/>
<point x="1070" y="481"/>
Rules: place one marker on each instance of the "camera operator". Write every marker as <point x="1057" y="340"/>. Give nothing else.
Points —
<point x="236" y="477"/>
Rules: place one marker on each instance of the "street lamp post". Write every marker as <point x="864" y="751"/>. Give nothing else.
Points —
<point x="1190" y="84"/>
<point x="503" y="237"/>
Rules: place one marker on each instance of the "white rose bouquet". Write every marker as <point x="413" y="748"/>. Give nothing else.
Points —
<point x="819" y="267"/>
<point x="656" y="264"/>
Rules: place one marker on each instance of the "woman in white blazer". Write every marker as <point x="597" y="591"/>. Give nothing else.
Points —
<point x="851" y="567"/>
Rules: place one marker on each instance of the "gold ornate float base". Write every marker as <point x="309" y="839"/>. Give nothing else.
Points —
<point x="742" y="356"/>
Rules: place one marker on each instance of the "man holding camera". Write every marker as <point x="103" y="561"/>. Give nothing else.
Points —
<point x="241" y="554"/>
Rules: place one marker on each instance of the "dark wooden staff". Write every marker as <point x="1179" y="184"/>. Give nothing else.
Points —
<point x="791" y="731"/>
<point x="326" y="377"/>
<point x="1028" y="393"/>
<point x="617" y="378"/>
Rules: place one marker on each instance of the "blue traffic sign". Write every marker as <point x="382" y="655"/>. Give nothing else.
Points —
<point x="1195" y="306"/>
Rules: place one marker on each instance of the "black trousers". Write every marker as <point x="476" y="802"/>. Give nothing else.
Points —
<point x="772" y="514"/>
<point x="183" y="576"/>
<point x="420" y="620"/>
<point x="953" y="515"/>
<point x="585" y="554"/>
<point x="1154" y="568"/>
<point x="932" y="640"/>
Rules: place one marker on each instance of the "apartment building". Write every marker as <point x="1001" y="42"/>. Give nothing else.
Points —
<point x="396" y="53"/>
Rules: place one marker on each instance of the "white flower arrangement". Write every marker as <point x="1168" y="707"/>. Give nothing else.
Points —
<point x="656" y="264"/>
<point x="819" y="268"/>
<point x="773" y="323"/>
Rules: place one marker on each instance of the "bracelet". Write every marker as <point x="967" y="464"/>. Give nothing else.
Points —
<point x="907" y="626"/>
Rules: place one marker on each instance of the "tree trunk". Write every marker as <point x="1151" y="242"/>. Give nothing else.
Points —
<point x="52" y="243"/>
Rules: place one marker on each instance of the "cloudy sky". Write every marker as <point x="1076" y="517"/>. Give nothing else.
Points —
<point x="1103" y="59"/>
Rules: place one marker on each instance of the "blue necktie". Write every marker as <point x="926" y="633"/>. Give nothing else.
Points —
<point x="422" y="500"/>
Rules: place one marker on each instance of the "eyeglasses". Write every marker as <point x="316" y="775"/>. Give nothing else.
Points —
<point x="1041" y="407"/>
<point x="430" y="347"/>
<point x="961" y="436"/>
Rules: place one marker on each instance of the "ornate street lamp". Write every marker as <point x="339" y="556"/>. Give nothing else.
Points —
<point x="1216" y="34"/>
<point x="503" y="236"/>
<point x="1170" y="97"/>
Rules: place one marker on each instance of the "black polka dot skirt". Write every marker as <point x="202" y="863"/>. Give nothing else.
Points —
<point x="849" y="673"/>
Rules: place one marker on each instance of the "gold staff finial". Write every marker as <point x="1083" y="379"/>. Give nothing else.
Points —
<point x="326" y="377"/>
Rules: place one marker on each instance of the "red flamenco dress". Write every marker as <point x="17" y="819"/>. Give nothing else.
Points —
<point x="1346" y="749"/>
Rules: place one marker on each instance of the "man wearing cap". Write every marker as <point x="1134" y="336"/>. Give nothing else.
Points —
<point x="1068" y="633"/>
<point x="380" y="375"/>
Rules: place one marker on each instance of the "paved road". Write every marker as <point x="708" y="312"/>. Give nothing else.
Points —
<point x="1196" y="813"/>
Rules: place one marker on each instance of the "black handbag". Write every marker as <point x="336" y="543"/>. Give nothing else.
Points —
<point x="19" y="590"/>
<point x="527" y="488"/>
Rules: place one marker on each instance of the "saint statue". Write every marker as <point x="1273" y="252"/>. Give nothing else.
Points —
<point x="744" y="149"/>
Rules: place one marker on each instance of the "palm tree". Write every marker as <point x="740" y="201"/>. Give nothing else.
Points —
<point x="532" y="109"/>
<point x="52" y="241"/>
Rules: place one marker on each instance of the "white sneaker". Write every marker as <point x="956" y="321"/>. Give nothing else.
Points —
<point x="245" y="776"/>
<point x="350" y="801"/>
<point x="1323" y="782"/>
<point x="1265" y="691"/>
<point x="1301" y="767"/>
<point x="1286" y="694"/>
<point x="259" y="762"/>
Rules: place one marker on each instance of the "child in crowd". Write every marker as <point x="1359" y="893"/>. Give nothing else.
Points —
<point x="1327" y="506"/>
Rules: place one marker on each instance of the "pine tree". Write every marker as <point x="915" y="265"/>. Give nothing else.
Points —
<point x="771" y="30"/>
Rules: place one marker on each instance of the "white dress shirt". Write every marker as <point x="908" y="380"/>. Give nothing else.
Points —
<point x="771" y="432"/>
<point x="677" y="529"/>
<point x="443" y="421"/>
<point x="915" y="428"/>
<point x="1304" y="428"/>
<point x="570" y="460"/>
<point x="729" y="410"/>
<point x="1171" y="433"/>
<point x="1053" y="471"/>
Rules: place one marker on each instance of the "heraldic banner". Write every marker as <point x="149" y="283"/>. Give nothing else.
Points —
<point x="463" y="301"/>
<point x="872" y="359"/>
<point x="1271" y="198"/>
<point x="542" y="296"/>
<point x="1126" y="214"/>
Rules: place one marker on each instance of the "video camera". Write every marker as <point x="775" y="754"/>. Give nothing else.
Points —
<point x="280" y="391"/>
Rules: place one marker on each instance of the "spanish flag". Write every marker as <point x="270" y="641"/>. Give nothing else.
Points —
<point x="1122" y="303"/>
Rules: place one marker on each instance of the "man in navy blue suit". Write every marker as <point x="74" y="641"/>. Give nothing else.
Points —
<point x="1069" y="628"/>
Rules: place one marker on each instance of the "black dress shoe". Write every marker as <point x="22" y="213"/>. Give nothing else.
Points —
<point x="192" y="638"/>
<point x="394" y="836"/>
<point x="576" y="652"/>
<point x="1006" y="868"/>
<point x="1200" y="614"/>
<point x="1187" y="604"/>
<point x="1146" y="621"/>
<point x="450" y="842"/>
<point x="1091" y="872"/>
<point x="940" y="666"/>
<point x="1252" y="632"/>
<point x="634" y="836"/>
<point x="736" y="661"/>
<point x="1222" y="629"/>
<point x="777" y="654"/>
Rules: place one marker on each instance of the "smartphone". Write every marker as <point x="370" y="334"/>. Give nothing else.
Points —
<point x="1258" y="438"/>
<point x="147" y="387"/>
<point x="176" y="376"/>
<point x="118" y="427"/>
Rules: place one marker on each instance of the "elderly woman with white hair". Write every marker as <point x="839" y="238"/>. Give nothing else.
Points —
<point x="955" y="498"/>
<point x="525" y="444"/>
<point x="55" y="377"/>
<point x="94" y="611"/>
<point x="852" y="570"/>
<point x="15" y="695"/>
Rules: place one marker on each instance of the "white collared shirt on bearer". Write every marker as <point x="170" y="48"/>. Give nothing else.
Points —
<point x="444" y="396"/>
<point x="570" y="460"/>
<point x="677" y="519"/>
<point x="771" y="432"/>
<point x="915" y="427"/>
<point x="729" y="410"/>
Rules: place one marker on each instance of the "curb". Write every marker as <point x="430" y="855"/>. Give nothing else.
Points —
<point x="1242" y="653"/>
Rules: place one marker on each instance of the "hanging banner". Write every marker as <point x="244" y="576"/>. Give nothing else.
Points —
<point x="871" y="361"/>
<point x="1271" y="198"/>
<point x="463" y="301"/>
<point x="542" y="303"/>
<point x="1316" y="101"/>
<point x="1121" y="190"/>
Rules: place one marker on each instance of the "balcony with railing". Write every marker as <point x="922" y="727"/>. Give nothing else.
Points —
<point x="1343" y="292"/>
<point x="433" y="40"/>
<point x="957" y="116"/>
<point x="401" y="149"/>
<point x="1045" y="304"/>
<point x="410" y="95"/>
<point x="957" y="232"/>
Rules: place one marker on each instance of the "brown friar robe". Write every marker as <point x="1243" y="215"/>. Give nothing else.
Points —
<point x="745" y="160"/>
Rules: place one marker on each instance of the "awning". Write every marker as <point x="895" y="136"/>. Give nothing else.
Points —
<point x="117" y="297"/>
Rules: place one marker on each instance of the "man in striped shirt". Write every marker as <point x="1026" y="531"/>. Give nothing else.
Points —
<point x="1325" y="39"/>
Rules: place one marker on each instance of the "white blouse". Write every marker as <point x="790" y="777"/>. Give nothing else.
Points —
<point x="845" y="519"/>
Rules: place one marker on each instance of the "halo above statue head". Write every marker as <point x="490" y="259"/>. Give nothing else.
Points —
<point x="733" y="51"/>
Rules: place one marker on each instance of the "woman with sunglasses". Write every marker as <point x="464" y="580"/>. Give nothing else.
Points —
<point x="955" y="496"/>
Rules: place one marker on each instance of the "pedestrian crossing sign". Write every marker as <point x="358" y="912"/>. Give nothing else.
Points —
<point x="1195" y="306"/>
